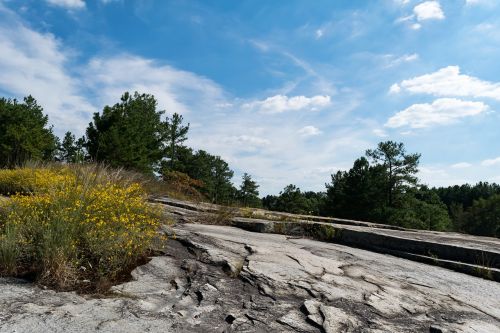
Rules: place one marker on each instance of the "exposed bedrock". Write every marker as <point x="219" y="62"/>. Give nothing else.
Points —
<point x="225" y="279"/>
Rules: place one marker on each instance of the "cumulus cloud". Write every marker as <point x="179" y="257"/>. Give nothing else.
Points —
<point x="440" y="112"/>
<point x="449" y="82"/>
<point x="282" y="103"/>
<point x="309" y="131"/>
<point x="428" y="10"/>
<point x="491" y="162"/>
<point x="68" y="4"/>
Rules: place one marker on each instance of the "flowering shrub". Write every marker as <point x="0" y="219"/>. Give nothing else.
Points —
<point x="28" y="179"/>
<point x="75" y="230"/>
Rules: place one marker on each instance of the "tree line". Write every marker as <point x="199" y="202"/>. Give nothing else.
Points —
<point x="380" y="187"/>
<point x="133" y="134"/>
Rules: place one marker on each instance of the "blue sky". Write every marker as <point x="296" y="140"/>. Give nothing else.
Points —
<point x="288" y="91"/>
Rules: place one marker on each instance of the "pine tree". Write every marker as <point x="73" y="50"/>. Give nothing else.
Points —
<point x="248" y="193"/>
<point x="128" y="134"/>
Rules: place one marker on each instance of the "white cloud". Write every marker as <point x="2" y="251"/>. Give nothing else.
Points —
<point x="309" y="131"/>
<point x="441" y="112"/>
<point x="319" y="33"/>
<point x="444" y="175"/>
<point x="394" y="89"/>
<point x="68" y="4"/>
<point x="428" y="10"/>
<point x="416" y="26"/>
<point x="449" y="82"/>
<point x="380" y="133"/>
<point x="392" y="60"/>
<point x="489" y="3"/>
<point x="247" y="140"/>
<point x="36" y="63"/>
<point x="267" y="147"/>
<point x="461" y="165"/>
<point x="405" y="19"/>
<point x="491" y="162"/>
<point x="176" y="90"/>
<point x="282" y="103"/>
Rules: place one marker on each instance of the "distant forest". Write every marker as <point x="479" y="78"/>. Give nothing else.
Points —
<point x="380" y="187"/>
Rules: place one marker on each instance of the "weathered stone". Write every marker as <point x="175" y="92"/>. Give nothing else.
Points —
<point x="435" y="329"/>
<point x="311" y="306"/>
<point x="285" y="285"/>
<point x="316" y="319"/>
<point x="295" y="320"/>
<point x="337" y="320"/>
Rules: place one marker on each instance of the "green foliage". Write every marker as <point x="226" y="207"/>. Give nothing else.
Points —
<point x="79" y="223"/>
<point x="248" y="193"/>
<point x="292" y="200"/>
<point x="129" y="134"/>
<point x="466" y="194"/>
<point x="420" y="209"/>
<point x="400" y="168"/>
<point x="213" y="172"/>
<point x="483" y="217"/>
<point x="24" y="134"/>
<point x="72" y="150"/>
<point x="357" y="193"/>
<point x="176" y="134"/>
<point x="386" y="191"/>
<point x="460" y="199"/>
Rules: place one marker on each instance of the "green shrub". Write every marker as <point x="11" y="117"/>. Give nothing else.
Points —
<point x="80" y="227"/>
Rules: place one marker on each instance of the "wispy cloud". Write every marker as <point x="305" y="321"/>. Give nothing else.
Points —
<point x="309" y="130"/>
<point x="37" y="63"/>
<point x="176" y="90"/>
<point x="392" y="60"/>
<point x="461" y="165"/>
<point x="281" y="103"/>
<point x="491" y="162"/>
<point x="68" y="4"/>
<point x="380" y="133"/>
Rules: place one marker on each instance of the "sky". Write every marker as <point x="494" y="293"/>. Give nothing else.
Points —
<point x="287" y="91"/>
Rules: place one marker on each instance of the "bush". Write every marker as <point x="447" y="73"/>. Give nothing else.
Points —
<point x="78" y="228"/>
<point x="181" y="186"/>
<point x="26" y="180"/>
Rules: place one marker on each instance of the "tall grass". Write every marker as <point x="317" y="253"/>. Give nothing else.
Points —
<point x="74" y="226"/>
